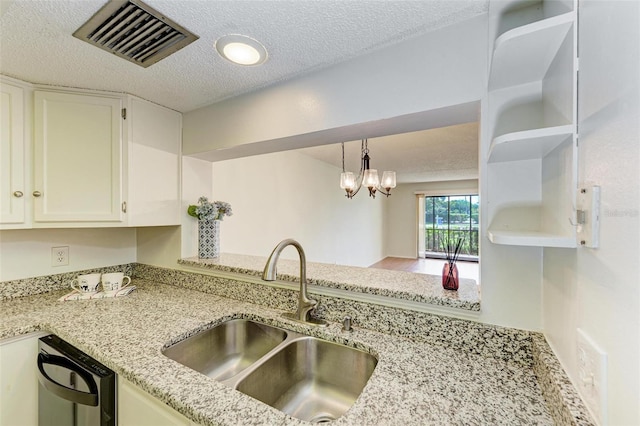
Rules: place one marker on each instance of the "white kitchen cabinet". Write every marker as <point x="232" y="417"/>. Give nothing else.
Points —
<point x="13" y="151"/>
<point x="138" y="408"/>
<point x="531" y="149"/>
<point x="77" y="158"/>
<point x="19" y="380"/>
<point x="97" y="159"/>
<point x="154" y="136"/>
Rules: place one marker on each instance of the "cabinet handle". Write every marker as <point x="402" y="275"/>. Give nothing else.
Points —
<point x="37" y="193"/>
<point x="124" y="207"/>
<point x="18" y="194"/>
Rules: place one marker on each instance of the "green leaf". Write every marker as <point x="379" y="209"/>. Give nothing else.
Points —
<point x="191" y="210"/>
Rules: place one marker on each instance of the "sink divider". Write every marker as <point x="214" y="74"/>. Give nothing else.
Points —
<point x="292" y="336"/>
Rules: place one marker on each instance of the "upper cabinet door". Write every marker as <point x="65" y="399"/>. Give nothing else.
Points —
<point x="12" y="150"/>
<point x="153" y="180"/>
<point x="77" y="158"/>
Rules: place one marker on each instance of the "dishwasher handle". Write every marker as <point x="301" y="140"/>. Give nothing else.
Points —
<point x="85" y="398"/>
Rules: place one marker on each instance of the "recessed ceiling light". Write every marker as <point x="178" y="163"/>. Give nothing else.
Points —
<point x="241" y="50"/>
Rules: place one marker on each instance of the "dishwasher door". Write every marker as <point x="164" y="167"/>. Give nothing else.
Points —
<point x="75" y="389"/>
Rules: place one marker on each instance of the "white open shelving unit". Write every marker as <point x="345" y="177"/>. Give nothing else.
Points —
<point x="530" y="238"/>
<point x="528" y="144"/>
<point x="523" y="54"/>
<point x="532" y="156"/>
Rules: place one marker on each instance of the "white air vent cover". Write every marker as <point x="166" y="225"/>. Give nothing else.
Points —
<point x="135" y="32"/>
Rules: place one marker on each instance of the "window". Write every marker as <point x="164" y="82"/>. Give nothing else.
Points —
<point x="447" y="219"/>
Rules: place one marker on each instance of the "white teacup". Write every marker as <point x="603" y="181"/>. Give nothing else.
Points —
<point x="87" y="283"/>
<point x="114" y="281"/>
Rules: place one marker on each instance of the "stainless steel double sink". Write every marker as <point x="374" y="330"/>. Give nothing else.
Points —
<point x="306" y="377"/>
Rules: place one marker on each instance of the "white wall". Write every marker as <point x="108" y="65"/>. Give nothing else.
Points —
<point x="598" y="290"/>
<point x="27" y="253"/>
<point x="291" y="195"/>
<point x="159" y="246"/>
<point x="401" y="218"/>
<point x="439" y="69"/>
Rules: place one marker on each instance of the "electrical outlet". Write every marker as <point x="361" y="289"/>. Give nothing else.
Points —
<point x="592" y="371"/>
<point x="60" y="256"/>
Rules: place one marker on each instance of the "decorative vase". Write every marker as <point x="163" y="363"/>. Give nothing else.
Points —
<point x="450" y="279"/>
<point x="208" y="239"/>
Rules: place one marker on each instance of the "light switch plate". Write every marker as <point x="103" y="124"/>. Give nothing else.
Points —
<point x="592" y="370"/>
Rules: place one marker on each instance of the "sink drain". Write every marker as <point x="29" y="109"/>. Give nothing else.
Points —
<point x="323" y="418"/>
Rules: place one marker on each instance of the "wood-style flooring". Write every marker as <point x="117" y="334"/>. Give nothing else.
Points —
<point x="426" y="266"/>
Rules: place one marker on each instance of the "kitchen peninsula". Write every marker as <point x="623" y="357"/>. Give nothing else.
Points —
<point x="447" y="372"/>
<point x="415" y="382"/>
<point x="407" y="286"/>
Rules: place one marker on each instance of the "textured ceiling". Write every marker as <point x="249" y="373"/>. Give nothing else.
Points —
<point x="36" y="44"/>
<point x="446" y="153"/>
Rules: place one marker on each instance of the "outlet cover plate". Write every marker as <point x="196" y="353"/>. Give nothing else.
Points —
<point x="592" y="371"/>
<point x="60" y="256"/>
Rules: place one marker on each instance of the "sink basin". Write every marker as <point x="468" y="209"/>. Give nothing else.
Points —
<point x="227" y="349"/>
<point x="310" y="379"/>
<point x="306" y="377"/>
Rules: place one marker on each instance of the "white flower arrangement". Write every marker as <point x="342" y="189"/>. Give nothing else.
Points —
<point x="209" y="210"/>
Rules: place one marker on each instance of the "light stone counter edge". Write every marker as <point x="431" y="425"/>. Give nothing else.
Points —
<point x="401" y="285"/>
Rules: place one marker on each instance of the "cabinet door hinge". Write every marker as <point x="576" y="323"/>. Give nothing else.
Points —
<point x="124" y="207"/>
<point x="124" y="113"/>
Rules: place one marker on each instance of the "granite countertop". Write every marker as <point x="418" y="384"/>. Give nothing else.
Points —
<point x="397" y="284"/>
<point x="414" y="383"/>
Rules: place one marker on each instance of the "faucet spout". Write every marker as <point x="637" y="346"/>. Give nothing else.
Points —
<point x="305" y="304"/>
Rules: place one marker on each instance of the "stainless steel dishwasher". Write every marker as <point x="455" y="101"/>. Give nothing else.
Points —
<point x="75" y="389"/>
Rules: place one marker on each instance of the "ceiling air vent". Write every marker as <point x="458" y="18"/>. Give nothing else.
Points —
<point x="135" y="32"/>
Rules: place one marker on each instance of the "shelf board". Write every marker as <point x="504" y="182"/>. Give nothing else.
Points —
<point x="523" y="54"/>
<point x="531" y="239"/>
<point x="528" y="144"/>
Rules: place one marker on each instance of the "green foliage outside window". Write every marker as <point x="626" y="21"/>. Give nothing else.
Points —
<point x="451" y="218"/>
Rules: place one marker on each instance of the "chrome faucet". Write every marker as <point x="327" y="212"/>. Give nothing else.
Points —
<point x="305" y="304"/>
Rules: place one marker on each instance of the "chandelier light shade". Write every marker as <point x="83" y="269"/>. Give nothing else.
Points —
<point x="367" y="176"/>
<point x="388" y="180"/>
<point x="371" y="178"/>
<point x="348" y="181"/>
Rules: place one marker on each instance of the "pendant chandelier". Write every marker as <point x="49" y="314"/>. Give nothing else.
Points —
<point x="367" y="176"/>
